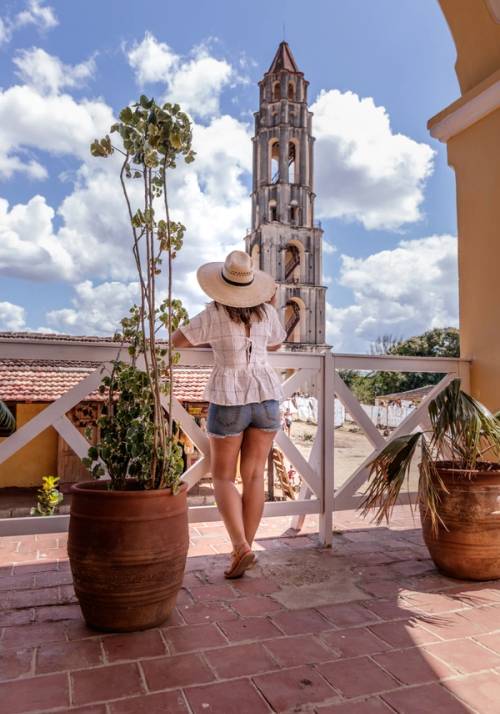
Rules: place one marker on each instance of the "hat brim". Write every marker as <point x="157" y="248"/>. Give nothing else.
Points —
<point x="212" y="283"/>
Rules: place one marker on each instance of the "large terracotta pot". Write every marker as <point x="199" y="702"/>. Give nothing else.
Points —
<point x="470" y="548"/>
<point x="127" y="551"/>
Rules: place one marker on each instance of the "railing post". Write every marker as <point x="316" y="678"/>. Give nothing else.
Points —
<point x="327" y="447"/>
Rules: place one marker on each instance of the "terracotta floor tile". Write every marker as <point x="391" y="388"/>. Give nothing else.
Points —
<point x="102" y="683"/>
<point x="413" y="666"/>
<point x="301" y="649"/>
<point x="35" y="634"/>
<point x="450" y="626"/>
<point x="255" y="605"/>
<point x="62" y="656"/>
<point x="301" y="622"/>
<point x="34" y="693"/>
<point x="424" y="698"/>
<point x="249" y="628"/>
<point x="256" y="585"/>
<point x="290" y="688"/>
<point x="403" y="634"/>
<point x="233" y="697"/>
<point x="134" y="645"/>
<point x="199" y="613"/>
<point x="434" y="603"/>
<point x="56" y="613"/>
<point x="373" y="705"/>
<point x="353" y="642"/>
<point x="487" y="618"/>
<point x="217" y="593"/>
<point x="177" y="671"/>
<point x="161" y="703"/>
<point x="15" y="662"/>
<point x="9" y="618"/>
<point x="357" y="677"/>
<point x="492" y="641"/>
<point x="480" y="691"/>
<point x="392" y="609"/>
<point x="465" y="655"/>
<point x="240" y="660"/>
<point x="348" y="614"/>
<point x="193" y="637"/>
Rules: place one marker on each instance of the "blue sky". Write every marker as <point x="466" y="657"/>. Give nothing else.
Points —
<point x="386" y="196"/>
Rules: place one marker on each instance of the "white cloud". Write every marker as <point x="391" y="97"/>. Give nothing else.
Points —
<point x="328" y="248"/>
<point x="28" y="247"/>
<point x="97" y="310"/>
<point x="56" y="123"/>
<point x="35" y="13"/>
<point x="402" y="292"/>
<point x="195" y="83"/>
<point x="151" y="60"/>
<point x="365" y="172"/>
<point x="12" y="317"/>
<point x="46" y="72"/>
<point x="38" y="14"/>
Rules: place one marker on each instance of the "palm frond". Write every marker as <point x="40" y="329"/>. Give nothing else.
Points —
<point x="430" y="488"/>
<point x="388" y="472"/>
<point x="462" y="432"/>
<point x="462" y="427"/>
<point x="7" y="420"/>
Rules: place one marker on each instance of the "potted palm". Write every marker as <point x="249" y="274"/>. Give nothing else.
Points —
<point x="128" y="533"/>
<point x="458" y="488"/>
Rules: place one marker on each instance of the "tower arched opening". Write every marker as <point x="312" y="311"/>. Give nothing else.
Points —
<point x="294" y="261"/>
<point x="274" y="160"/>
<point x="293" y="172"/>
<point x="255" y="255"/>
<point x="295" y="311"/>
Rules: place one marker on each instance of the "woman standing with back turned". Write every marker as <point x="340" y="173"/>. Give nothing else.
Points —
<point x="241" y="325"/>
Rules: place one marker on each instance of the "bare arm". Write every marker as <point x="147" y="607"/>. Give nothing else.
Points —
<point x="274" y="302"/>
<point x="181" y="341"/>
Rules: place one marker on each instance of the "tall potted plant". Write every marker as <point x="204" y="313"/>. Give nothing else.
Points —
<point x="128" y="534"/>
<point x="458" y="488"/>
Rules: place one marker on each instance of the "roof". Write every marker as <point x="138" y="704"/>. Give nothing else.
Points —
<point x="283" y="59"/>
<point x="418" y="393"/>
<point x="47" y="380"/>
<point x="52" y="337"/>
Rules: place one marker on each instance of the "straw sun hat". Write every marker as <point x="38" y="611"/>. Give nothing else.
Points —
<point x="235" y="282"/>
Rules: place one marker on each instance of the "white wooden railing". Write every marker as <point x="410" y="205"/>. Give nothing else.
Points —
<point x="318" y="494"/>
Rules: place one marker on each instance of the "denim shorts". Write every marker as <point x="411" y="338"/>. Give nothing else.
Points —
<point x="232" y="420"/>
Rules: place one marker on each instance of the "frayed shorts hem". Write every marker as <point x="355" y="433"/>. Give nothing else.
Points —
<point x="223" y="436"/>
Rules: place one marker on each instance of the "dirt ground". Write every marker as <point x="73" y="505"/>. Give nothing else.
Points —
<point x="351" y="448"/>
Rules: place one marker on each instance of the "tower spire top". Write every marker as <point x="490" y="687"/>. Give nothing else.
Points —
<point x="283" y="59"/>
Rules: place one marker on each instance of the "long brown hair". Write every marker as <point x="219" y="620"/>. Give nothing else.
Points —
<point x="243" y="315"/>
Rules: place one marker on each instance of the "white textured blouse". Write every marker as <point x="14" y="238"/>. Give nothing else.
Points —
<point x="242" y="373"/>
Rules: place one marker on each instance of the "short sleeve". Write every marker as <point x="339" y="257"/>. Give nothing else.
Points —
<point x="197" y="330"/>
<point x="277" y="333"/>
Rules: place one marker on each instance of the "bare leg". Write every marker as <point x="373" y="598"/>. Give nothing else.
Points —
<point x="223" y="459"/>
<point x="254" y="452"/>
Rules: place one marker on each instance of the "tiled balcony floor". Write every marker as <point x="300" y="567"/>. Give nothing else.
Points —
<point x="368" y="627"/>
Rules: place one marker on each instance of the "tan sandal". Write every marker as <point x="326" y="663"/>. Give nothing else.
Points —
<point x="241" y="562"/>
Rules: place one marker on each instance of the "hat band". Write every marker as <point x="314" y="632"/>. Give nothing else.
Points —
<point x="233" y="282"/>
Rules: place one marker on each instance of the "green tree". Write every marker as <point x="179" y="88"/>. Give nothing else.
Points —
<point x="439" y="342"/>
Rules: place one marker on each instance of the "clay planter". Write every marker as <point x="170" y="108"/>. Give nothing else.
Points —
<point x="470" y="548"/>
<point x="127" y="551"/>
